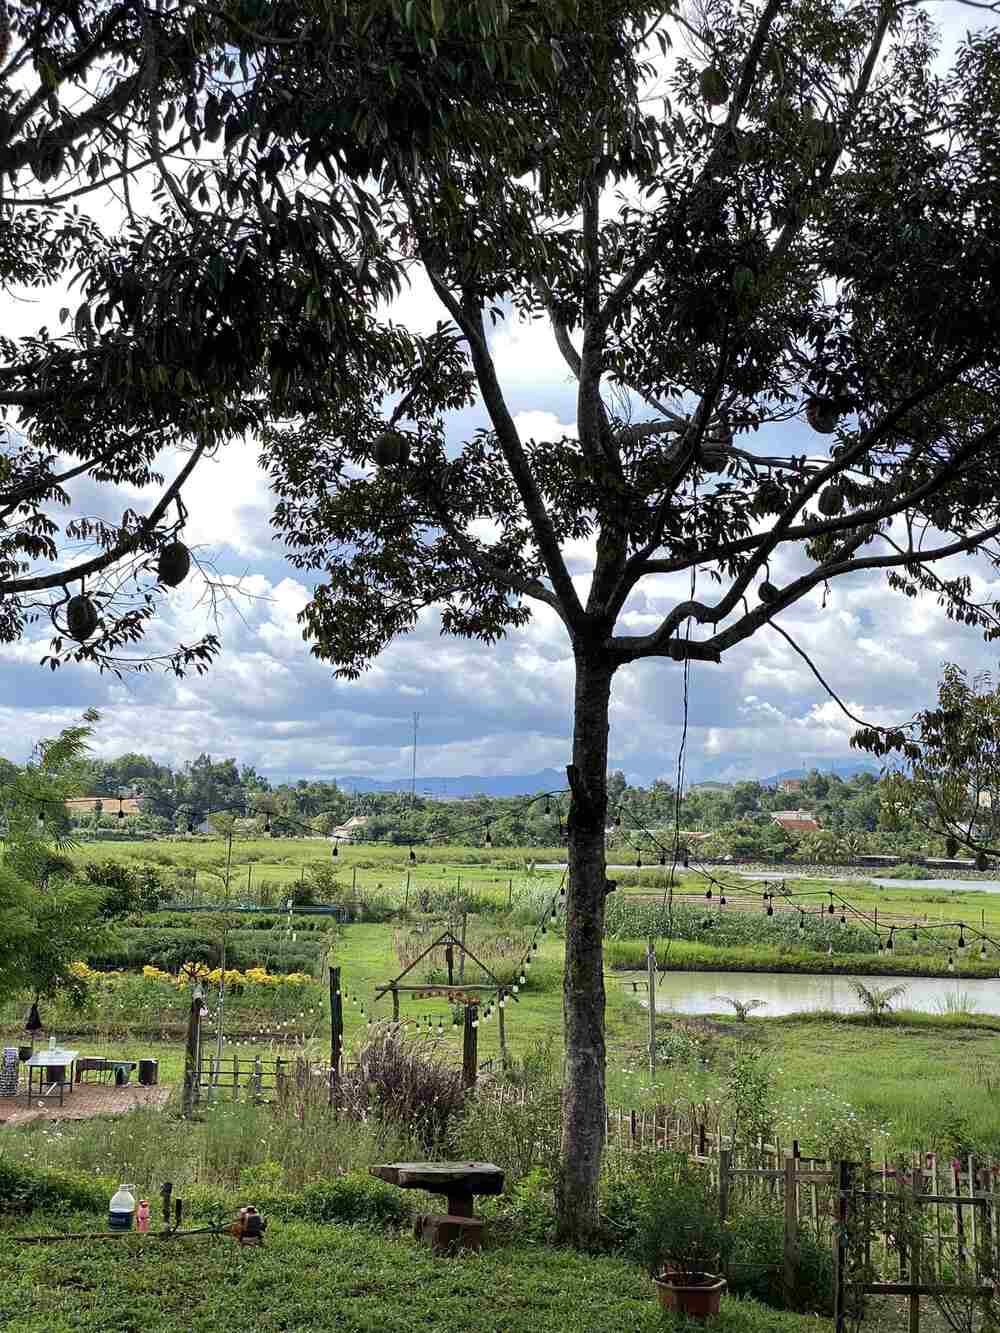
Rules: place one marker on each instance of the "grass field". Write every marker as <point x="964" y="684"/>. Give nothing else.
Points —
<point x="333" y="1277"/>
<point x="896" y="1078"/>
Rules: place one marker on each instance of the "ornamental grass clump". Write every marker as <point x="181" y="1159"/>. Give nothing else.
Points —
<point x="406" y="1080"/>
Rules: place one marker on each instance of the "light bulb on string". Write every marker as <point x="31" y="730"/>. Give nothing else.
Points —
<point x="523" y="979"/>
<point x="843" y="918"/>
<point x="267" y="823"/>
<point x="914" y="934"/>
<point x="889" y="944"/>
<point x="770" y="908"/>
<point x="638" y="861"/>
<point x="413" y="857"/>
<point x="982" y="951"/>
<point x="961" y="937"/>
<point x="335" y="852"/>
<point x="708" y="893"/>
<point x="553" y="918"/>
<point x="802" y="920"/>
<point x="722" y="900"/>
<point x="548" y="806"/>
<point x="830" y="908"/>
<point x="502" y="1002"/>
<point x="41" y="819"/>
<point x="951" y="962"/>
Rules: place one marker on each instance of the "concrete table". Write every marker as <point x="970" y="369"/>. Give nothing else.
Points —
<point x="460" y="1182"/>
<point x="60" y="1060"/>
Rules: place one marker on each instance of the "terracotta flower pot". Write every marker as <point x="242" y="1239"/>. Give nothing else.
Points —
<point x="696" y="1296"/>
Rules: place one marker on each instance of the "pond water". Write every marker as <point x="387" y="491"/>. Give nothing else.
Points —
<point x="792" y="993"/>
<point x="956" y="885"/>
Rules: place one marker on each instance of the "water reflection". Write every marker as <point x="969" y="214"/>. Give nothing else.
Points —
<point x="792" y="993"/>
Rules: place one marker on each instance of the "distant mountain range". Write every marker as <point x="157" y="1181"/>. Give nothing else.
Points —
<point x="552" y="779"/>
<point x="468" y="784"/>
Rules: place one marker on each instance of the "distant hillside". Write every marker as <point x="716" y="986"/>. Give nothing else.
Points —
<point x="468" y="784"/>
<point x="843" y="769"/>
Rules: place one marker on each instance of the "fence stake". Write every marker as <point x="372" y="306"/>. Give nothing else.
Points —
<point x="916" y="1254"/>
<point x="791" y="1258"/>
<point x="406" y="895"/>
<point x="725" y="1163"/>
<point x="510" y="893"/>
<point x="840" y="1245"/>
<point x="395" y="1005"/>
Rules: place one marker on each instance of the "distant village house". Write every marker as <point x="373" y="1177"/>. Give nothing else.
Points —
<point x="796" y="821"/>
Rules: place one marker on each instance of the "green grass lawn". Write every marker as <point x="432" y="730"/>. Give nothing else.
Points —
<point x="332" y="1277"/>
<point x="915" y="1081"/>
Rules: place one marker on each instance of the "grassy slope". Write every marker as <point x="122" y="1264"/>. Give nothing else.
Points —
<point x="330" y="1277"/>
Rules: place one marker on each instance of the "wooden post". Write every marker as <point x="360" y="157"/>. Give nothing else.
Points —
<point x="651" y="987"/>
<point x="470" y="1045"/>
<point x="501" y="1014"/>
<point x="915" y="1264"/>
<point x="843" y="1179"/>
<point x="791" y="1258"/>
<point x="725" y="1166"/>
<point x="236" y="1078"/>
<point x="395" y="1005"/>
<point x="192" y="1058"/>
<point x="406" y="895"/>
<point x="336" y="1022"/>
<point x="449" y="958"/>
<point x="510" y="893"/>
<point x="461" y="954"/>
<point x="249" y="878"/>
<point x="257" y="1080"/>
<point x="354" y="880"/>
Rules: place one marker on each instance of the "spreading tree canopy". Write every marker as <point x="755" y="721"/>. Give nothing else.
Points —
<point x="730" y="218"/>
<point x="943" y="770"/>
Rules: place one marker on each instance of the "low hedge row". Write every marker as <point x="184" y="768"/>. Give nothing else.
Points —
<point x="132" y="947"/>
<point x="354" y="1197"/>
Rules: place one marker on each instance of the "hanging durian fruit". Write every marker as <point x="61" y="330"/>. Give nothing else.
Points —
<point x="174" y="564"/>
<point x="831" y="500"/>
<point x="713" y="86"/>
<point x="392" y="449"/>
<point x="822" y="414"/>
<point x="81" y="617"/>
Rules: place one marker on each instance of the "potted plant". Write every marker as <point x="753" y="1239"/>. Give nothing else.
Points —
<point x="683" y="1241"/>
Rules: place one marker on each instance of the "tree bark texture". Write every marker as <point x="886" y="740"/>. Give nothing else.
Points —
<point x="583" y="1109"/>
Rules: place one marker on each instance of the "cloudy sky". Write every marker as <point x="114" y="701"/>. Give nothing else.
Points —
<point x="486" y="710"/>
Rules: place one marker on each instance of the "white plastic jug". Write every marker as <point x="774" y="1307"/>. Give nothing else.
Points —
<point x="122" y="1209"/>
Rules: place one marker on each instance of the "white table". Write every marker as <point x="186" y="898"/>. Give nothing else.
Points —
<point x="57" y="1059"/>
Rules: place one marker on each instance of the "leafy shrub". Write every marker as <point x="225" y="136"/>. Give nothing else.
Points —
<point x="129" y="888"/>
<point x="519" y="1136"/>
<point x="678" y="1223"/>
<point x="756" y="1263"/>
<point x="24" y="1188"/>
<point x="526" y="1209"/>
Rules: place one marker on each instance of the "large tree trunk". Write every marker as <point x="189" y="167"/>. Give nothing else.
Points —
<point x="583" y="1112"/>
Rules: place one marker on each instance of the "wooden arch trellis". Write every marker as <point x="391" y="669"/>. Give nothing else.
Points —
<point x="467" y="994"/>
